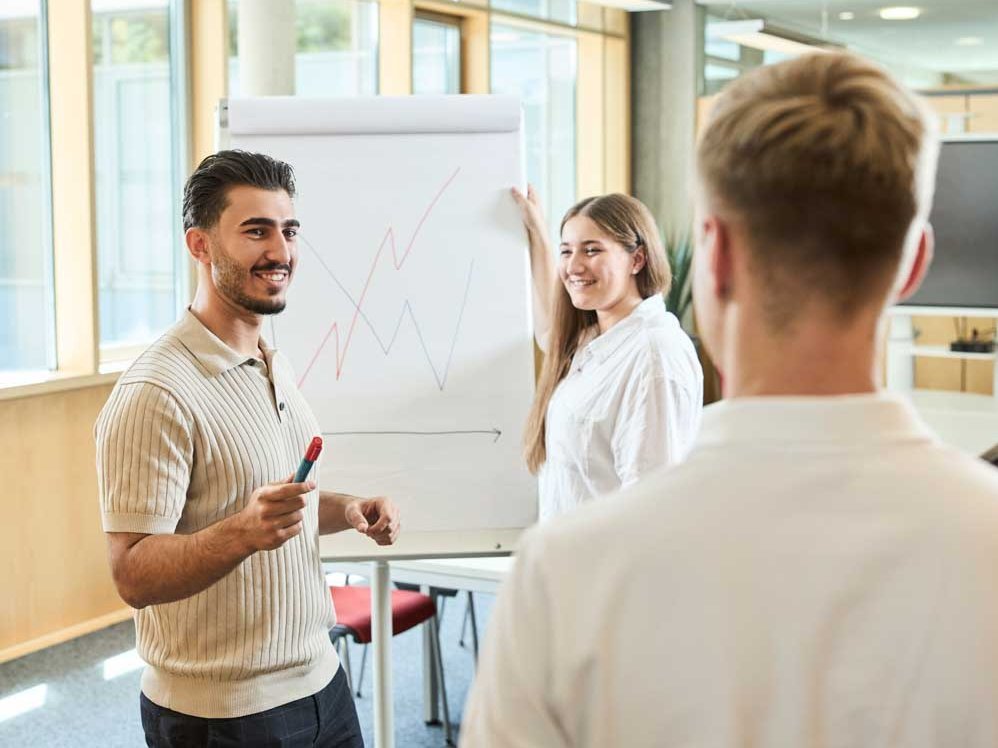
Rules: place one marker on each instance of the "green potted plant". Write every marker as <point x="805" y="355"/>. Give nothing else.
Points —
<point x="679" y="250"/>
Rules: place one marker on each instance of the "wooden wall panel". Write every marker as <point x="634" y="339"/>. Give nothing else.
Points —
<point x="616" y="21"/>
<point x="73" y="200"/>
<point x="475" y="54"/>
<point x="617" y="116"/>
<point x="395" y="47"/>
<point x="589" y="16"/>
<point x="57" y="576"/>
<point x="589" y="117"/>
<point x="209" y="66"/>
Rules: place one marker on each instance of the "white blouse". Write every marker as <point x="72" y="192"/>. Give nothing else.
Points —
<point x="630" y="404"/>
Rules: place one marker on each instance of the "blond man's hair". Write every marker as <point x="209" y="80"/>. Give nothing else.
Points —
<point x="827" y="163"/>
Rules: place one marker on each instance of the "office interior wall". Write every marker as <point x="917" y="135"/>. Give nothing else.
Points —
<point x="667" y="49"/>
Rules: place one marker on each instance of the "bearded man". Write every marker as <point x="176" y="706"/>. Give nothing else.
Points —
<point x="209" y="537"/>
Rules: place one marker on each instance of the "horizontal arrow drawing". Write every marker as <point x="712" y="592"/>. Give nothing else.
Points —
<point x="494" y="431"/>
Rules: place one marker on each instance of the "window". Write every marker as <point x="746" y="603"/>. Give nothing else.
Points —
<point x="27" y="307"/>
<point x="140" y="270"/>
<point x="552" y="10"/>
<point x="541" y="69"/>
<point x="436" y="56"/>
<point x="337" y="48"/>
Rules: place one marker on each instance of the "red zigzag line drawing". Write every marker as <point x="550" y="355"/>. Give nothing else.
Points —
<point x="389" y="239"/>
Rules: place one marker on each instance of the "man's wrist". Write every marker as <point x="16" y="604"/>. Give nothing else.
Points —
<point x="230" y="537"/>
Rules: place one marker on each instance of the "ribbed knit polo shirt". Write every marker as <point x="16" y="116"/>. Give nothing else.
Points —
<point x="191" y="429"/>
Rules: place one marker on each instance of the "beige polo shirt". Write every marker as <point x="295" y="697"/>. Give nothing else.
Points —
<point x="189" y="431"/>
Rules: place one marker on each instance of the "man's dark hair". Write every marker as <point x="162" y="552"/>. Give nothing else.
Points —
<point x="206" y="191"/>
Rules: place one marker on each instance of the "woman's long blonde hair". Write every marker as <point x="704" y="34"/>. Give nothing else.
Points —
<point x="628" y="222"/>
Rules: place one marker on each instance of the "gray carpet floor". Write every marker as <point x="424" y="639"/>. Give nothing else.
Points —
<point x="83" y="710"/>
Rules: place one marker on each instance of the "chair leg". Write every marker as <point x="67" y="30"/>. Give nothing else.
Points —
<point x="474" y="624"/>
<point x="439" y="665"/>
<point x="344" y="647"/>
<point x="360" y="677"/>
<point x="464" y="625"/>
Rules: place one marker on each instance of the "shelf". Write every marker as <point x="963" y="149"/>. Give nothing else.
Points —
<point x="965" y="403"/>
<point x="942" y="351"/>
<point x="941" y="311"/>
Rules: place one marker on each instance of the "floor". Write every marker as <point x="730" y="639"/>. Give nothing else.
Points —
<point x="86" y="692"/>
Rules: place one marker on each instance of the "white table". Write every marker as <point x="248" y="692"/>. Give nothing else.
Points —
<point x="472" y="574"/>
<point x="963" y="420"/>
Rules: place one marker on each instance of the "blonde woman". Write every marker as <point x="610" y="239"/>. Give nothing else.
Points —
<point x="621" y="389"/>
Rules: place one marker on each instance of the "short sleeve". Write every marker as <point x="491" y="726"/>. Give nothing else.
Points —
<point x="144" y="456"/>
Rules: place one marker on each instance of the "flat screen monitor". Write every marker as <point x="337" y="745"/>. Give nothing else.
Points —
<point x="964" y="215"/>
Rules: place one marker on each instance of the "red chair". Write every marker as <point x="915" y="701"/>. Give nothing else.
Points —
<point x="409" y="609"/>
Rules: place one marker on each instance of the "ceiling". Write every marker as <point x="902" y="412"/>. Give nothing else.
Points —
<point x="928" y="44"/>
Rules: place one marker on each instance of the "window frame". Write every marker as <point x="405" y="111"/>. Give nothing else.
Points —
<point x="441" y="19"/>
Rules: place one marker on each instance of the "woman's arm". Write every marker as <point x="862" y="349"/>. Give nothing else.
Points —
<point x="646" y="435"/>
<point x="541" y="261"/>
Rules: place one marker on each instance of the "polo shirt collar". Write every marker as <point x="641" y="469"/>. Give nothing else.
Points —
<point x="648" y="313"/>
<point x="844" y="420"/>
<point x="208" y="348"/>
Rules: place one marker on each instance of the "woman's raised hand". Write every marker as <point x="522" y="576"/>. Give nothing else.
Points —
<point x="532" y="213"/>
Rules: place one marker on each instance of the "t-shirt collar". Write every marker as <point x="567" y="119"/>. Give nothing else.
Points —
<point x="842" y="419"/>
<point x="649" y="311"/>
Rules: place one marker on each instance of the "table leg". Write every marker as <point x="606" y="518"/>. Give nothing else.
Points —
<point x="381" y="636"/>
<point x="431" y="710"/>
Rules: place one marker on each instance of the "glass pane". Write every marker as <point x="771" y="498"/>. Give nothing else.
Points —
<point x="136" y="235"/>
<point x="436" y="57"/>
<point x="337" y="48"/>
<point x="541" y="69"/>
<point x="722" y="48"/>
<point x="26" y="306"/>
<point x="553" y="10"/>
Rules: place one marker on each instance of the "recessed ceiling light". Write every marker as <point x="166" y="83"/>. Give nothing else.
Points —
<point x="846" y="15"/>
<point x="969" y="41"/>
<point x="900" y="13"/>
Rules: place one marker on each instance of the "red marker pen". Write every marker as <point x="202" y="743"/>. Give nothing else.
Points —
<point x="311" y="455"/>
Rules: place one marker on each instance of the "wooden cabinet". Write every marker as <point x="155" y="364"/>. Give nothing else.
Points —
<point x="971" y="111"/>
<point x="983" y="110"/>
<point x="951" y="374"/>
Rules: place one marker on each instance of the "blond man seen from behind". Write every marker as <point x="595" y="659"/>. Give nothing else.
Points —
<point x="821" y="571"/>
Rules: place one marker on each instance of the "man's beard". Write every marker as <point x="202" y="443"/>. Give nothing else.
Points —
<point x="230" y="276"/>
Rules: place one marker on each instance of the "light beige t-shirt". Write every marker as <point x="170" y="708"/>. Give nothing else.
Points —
<point x="188" y="433"/>
<point x="819" y="573"/>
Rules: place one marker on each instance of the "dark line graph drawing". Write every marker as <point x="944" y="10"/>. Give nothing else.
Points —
<point x="333" y="331"/>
